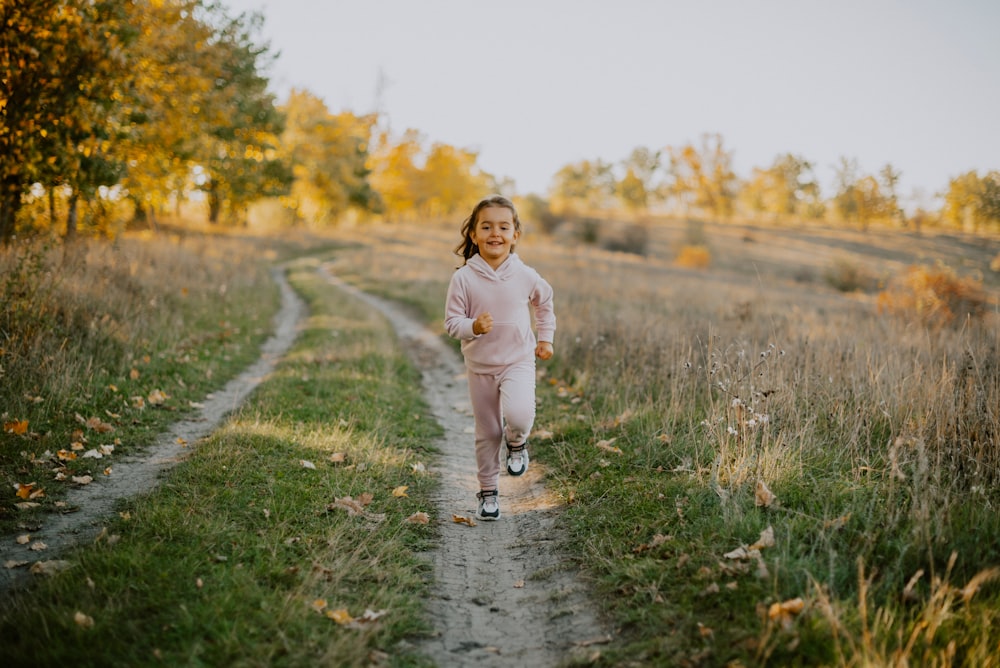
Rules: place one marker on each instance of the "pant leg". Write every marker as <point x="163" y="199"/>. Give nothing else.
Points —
<point x="517" y="400"/>
<point x="484" y="394"/>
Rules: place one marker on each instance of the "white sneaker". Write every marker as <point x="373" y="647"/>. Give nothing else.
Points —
<point x="489" y="505"/>
<point x="517" y="459"/>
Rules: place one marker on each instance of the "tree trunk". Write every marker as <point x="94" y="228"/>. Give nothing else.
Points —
<point x="10" y="202"/>
<point x="71" y="217"/>
<point x="214" y="203"/>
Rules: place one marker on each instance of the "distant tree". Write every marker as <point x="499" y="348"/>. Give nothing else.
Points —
<point x="396" y="175"/>
<point x="244" y="123"/>
<point x="329" y="156"/>
<point x="703" y="178"/>
<point x="584" y="186"/>
<point x="452" y="179"/>
<point x="636" y="188"/>
<point x="862" y="198"/>
<point x="787" y="188"/>
<point x="972" y="202"/>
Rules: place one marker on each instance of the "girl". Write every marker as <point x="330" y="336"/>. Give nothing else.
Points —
<point x="487" y="308"/>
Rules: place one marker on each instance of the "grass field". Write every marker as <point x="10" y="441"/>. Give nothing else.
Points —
<point x="785" y="452"/>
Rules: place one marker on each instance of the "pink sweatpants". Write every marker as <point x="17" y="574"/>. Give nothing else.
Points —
<point x="507" y="396"/>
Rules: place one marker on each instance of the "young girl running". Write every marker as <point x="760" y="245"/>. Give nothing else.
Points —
<point x="488" y="310"/>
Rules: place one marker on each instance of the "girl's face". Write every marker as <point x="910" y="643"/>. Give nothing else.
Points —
<point x="495" y="234"/>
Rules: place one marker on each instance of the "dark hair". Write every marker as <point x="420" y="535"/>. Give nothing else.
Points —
<point x="468" y="248"/>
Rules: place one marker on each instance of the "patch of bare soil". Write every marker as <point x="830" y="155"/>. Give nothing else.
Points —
<point x="140" y="472"/>
<point x="505" y="595"/>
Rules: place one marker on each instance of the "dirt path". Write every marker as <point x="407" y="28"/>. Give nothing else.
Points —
<point x="504" y="595"/>
<point x="141" y="471"/>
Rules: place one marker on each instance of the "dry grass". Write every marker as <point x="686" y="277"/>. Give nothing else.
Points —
<point x="745" y="373"/>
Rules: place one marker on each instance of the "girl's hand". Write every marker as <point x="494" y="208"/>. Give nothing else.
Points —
<point x="543" y="350"/>
<point x="483" y="324"/>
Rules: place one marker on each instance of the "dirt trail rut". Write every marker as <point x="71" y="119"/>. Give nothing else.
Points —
<point x="141" y="471"/>
<point x="504" y="595"/>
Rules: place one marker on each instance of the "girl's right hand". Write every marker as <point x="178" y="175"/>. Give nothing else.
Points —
<point x="483" y="324"/>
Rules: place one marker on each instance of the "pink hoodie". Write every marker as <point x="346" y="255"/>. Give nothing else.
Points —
<point x="506" y="293"/>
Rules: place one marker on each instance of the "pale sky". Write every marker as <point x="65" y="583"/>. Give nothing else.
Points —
<point x="534" y="85"/>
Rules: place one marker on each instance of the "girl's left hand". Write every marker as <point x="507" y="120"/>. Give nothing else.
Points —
<point x="543" y="350"/>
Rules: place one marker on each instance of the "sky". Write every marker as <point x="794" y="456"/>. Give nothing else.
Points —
<point x="535" y="85"/>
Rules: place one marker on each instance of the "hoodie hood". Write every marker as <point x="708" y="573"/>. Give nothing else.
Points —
<point x="504" y="272"/>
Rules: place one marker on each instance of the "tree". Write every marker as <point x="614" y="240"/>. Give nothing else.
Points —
<point x="329" y="159"/>
<point x="243" y="122"/>
<point x="395" y="174"/>
<point x="451" y="179"/>
<point x="972" y="202"/>
<point x="860" y="197"/>
<point x="583" y="186"/>
<point x="703" y="178"/>
<point x="60" y="66"/>
<point x="787" y="188"/>
<point x="636" y="188"/>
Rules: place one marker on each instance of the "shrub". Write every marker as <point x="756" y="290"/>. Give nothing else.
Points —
<point x="848" y="276"/>
<point x="632" y="239"/>
<point x="934" y="295"/>
<point x="693" y="257"/>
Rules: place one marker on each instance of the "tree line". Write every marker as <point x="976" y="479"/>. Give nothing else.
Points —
<point x="109" y="106"/>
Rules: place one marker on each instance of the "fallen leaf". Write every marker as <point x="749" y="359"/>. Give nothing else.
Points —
<point x="76" y="446"/>
<point x="542" y="434"/>
<point x="608" y="446"/>
<point x="400" y="491"/>
<point x="134" y="374"/>
<point x="764" y="496"/>
<point x="766" y="539"/>
<point x="319" y="605"/>
<point x="704" y="631"/>
<point x="366" y="498"/>
<point x="419" y="518"/>
<point x="14" y="563"/>
<point x="38" y="546"/>
<point x="50" y="567"/>
<point x="462" y="519"/>
<point x="338" y="457"/>
<point x="66" y="455"/>
<point x="786" y="611"/>
<point x="157" y="397"/>
<point x="16" y="427"/>
<point x="24" y="490"/>
<point x="519" y="584"/>
<point x="92" y="454"/>
<point x="106" y="449"/>
<point x="82" y="620"/>
<point x="23" y="539"/>
<point x="27" y="505"/>
<point x="838" y="522"/>
<point x="418" y="467"/>
<point x="341" y="616"/>
<point x="82" y="479"/>
<point x="306" y="464"/>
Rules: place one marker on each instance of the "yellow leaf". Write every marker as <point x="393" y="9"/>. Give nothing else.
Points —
<point x="338" y="457"/>
<point x="134" y="374"/>
<point x="786" y="611"/>
<point x="82" y="620"/>
<point x="461" y="519"/>
<point x="157" y="397"/>
<point x="66" y="454"/>
<point x="23" y="490"/>
<point x="400" y="491"/>
<point x="419" y="518"/>
<point x="16" y="427"/>
<point x="319" y="605"/>
<point x="341" y="616"/>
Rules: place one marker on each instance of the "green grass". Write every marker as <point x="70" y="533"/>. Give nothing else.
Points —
<point x="225" y="562"/>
